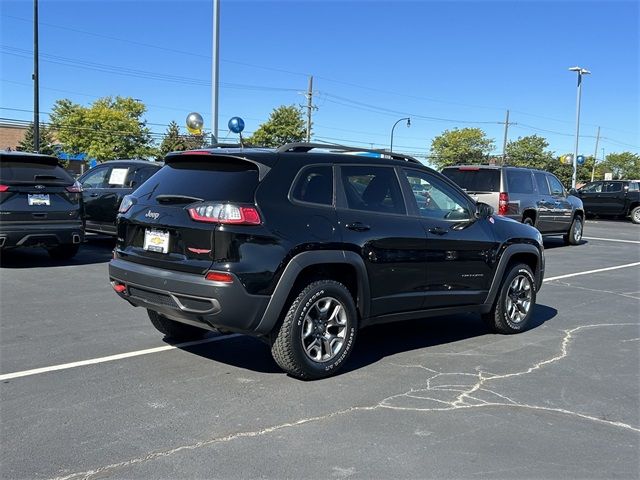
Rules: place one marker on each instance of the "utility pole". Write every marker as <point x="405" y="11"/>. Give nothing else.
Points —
<point x="506" y="136"/>
<point x="595" y="155"/>
<point x="36" y="82"/>
<point x="309" y="107"/>
<point x="215" y="62"/>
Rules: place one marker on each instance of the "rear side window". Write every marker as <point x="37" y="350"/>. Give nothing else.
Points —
<point x="556" y="187"/>
<point x="520" y="181"/>
<point x="375" y="189"/>
<point x="475" y="180"/>
<point x="142" y="175"/>
<point x="315" y="185"/>
<point x="32" y="172"/>
<point x="634" y="186"/>
<point x="611" y="187"/>
<point x="216" y="178"/>
<point x="541" y="182"/>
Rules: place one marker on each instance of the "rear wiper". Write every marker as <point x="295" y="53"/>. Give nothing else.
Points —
<point x="177" y="199"/>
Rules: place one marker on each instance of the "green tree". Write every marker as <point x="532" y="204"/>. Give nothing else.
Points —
<point x="285" y="125"/>
<point x="108" y="129"/>
<point x="174" y="141"/>
<point x="625" y="165"/>
<point x="466" y="145"/>
<point x="529" y="152"/>
<point x="47" y="142"/>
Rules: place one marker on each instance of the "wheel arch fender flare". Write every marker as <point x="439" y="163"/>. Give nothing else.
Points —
<point x="508" y="253"/>
<point x="293" y="269"/>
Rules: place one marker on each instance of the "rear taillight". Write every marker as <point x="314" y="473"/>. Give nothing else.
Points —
<point x="4" y="188"/>
<point x="225" y="213"/>
<point x="75" y="188"/>
<point x="503" y="203"/>
<point x="126" y="204"/>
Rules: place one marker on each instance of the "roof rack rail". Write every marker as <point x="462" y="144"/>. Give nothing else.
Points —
<point x="304" y="147"/>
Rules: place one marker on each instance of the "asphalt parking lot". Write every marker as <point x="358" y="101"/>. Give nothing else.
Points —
<point x="439" y="398"/>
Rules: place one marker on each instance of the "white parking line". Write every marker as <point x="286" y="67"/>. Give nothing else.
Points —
<point x="111" y="358"/>
<point x="611" y="240"/>
<point x="121" y="356"/>
<point x="591" y="271"/>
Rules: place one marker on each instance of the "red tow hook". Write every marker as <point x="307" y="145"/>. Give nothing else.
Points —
<point x="119" y="287"/>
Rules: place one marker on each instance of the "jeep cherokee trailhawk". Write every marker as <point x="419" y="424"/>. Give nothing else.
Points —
<point x="304" y="245"/>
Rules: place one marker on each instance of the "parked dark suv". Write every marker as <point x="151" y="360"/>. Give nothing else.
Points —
<point x="40" y="205"/>
<point x="304" y="245"/>
<point x="612" y="197"/>
<point x="527" y="195"/>
<point x="104" y="187"/>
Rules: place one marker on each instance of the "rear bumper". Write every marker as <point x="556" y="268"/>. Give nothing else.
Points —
<point x="189" y="298"/>
<point x="40" y="234"/>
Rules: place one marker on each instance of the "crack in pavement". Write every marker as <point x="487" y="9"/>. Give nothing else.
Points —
<point x="623" y="294"/>
<point x="457" y="382"/>
<point x="470" y="394"/>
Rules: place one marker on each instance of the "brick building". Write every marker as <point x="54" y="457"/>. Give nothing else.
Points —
<point x="11" y="133"/>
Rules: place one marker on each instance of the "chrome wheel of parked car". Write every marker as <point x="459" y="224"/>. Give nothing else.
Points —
<point x="324" y="329"/>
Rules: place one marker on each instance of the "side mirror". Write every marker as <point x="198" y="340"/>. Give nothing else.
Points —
<point x="483" y="210"/>
<point x="574" y="192"/>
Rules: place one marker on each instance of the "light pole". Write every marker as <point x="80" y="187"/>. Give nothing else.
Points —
<point x="394" y="127"/>
<point x="581" y="71"/>
<point x="215" y="71"/>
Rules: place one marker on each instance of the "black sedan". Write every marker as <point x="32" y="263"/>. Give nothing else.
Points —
<point x="105" y="185"/>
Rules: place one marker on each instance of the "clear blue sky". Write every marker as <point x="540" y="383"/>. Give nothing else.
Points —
<point x="373" y="63"/>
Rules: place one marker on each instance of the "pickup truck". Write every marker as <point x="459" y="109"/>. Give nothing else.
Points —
<point x="612" y="197"/>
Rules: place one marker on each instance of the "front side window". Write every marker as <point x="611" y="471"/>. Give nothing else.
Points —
<point x="592" y="188"/>
<point x="435" y="198"/>
<point x="96" y="179"/>
<point x="371" y="188"/>
<point x="315" y="185"/>
<point x="557" y="189"/>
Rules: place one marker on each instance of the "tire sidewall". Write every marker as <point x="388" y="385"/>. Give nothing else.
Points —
<point x="339" y="292"/>
<point x="504" y="318"/>
<point x="574" y="228"/>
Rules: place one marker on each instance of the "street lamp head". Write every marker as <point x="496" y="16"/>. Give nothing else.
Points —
<point x="585" y="72"/>
<point x="575" y="69"/>
<point x="580" y="70"/>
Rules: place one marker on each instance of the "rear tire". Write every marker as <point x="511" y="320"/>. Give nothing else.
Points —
<point x="63" y="252"/>
<point x="527" y="221"/>
<point x="574" y="235"/>
<point x="318" y="331"/>
<point x="513" y="307"/>
<point x="173" y="329"/>
<point x="635" y="215"/>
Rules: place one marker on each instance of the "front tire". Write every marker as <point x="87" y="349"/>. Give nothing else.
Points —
<point x="175" y="330"/>
<point x="513" y="308"/>
<point x="635" y="215"/>
<point x="318" y="331"/>
<point x="574" y="235"/>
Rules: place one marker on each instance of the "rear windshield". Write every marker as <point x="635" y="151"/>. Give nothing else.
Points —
<point x="481" y="180"/>
<point x="209" y="180"/>
<point x="25" y="172"/>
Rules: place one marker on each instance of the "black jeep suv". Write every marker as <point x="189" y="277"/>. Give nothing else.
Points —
<point x="304" y="245"/>
<point x="40" y="205"/>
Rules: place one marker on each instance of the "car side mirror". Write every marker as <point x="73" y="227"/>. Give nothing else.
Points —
<point x="573" y="191"/>
<point x="483" y="210"/>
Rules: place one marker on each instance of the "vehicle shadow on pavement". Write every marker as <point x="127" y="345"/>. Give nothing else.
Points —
<point x="373" y="343"/>
<point x="96" y="250"/>
<point x="381" y="341"/>
<point x="558" y="242"/>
